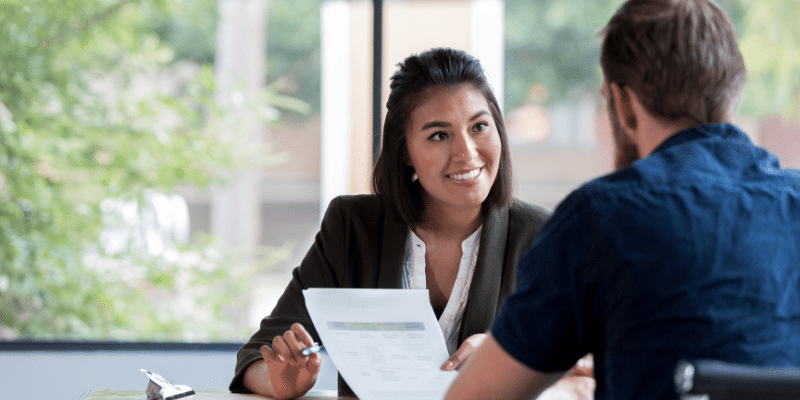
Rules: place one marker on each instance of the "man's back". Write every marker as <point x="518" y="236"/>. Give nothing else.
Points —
<point x="693" y="251"/>
<point x="703" y="242"/>
<point x="690" y="253"/>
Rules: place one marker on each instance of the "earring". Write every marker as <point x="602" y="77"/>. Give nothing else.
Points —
<point x="414" y="177"/>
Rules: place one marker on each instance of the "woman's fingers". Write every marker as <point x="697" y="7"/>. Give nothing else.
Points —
<point x="283" y="349"/>
<point x="584" y="367"/>
<point x="270" y="355"/>
<point x="290" y="345"/>
<point x="314" y="363"/>
<point x="453" y="362"/>
<point x="464" y="351"/>
<point x="294" y="345"/>
<point x="302" y="334"/>
<point x="289" y="377"/>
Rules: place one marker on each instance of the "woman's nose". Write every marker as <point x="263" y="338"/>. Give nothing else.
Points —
<point x="464" y="148"/>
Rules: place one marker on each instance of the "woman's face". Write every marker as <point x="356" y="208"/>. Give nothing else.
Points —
<point x="454" y="147"/>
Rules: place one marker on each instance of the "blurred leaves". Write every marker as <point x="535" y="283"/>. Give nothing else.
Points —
<point x="770" y="41"/>
<point x="293" y="49"/>
<point x="94" y="106"/>
<point x="293" y="44"/>
<point x="554" y="43"/>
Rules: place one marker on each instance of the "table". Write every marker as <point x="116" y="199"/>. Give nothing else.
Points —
<point x="205" y="395"/>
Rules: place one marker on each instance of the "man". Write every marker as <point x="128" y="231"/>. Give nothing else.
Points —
<point x="693" y="251"/>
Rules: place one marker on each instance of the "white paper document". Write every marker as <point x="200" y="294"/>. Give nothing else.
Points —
<point x="386" y="343"/>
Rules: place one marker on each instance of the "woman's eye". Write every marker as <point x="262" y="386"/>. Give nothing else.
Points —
<point x="481" y="126"/>
<point x="438" y="136"/>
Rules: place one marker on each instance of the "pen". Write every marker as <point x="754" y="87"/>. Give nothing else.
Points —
<point x="316" y="348"/>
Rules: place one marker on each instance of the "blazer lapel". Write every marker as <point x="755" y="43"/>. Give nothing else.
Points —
<point x="484" y="291"/>
<point x="392" y="251"/>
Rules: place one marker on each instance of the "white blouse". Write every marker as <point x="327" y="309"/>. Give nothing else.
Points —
<point x="414" y="278"/>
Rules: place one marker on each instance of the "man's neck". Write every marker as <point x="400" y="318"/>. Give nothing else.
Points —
<point x="659" y="130"/>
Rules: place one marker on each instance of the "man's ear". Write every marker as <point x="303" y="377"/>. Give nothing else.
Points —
<point x="623" y="106"/>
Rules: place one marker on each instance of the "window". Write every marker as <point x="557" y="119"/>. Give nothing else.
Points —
<point x="126" y="119"/>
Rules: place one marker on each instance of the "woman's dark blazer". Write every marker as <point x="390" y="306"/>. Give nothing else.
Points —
<point x="360" y="245"/>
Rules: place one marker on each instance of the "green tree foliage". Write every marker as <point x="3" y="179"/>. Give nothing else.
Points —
<point x="85" y="117"/>
<point x="770" y="41"/>
<point x="554" y="44"/>
<point x="189" y="28"/>
<point x="293" y="45"/>
<point x="293" y="49"/>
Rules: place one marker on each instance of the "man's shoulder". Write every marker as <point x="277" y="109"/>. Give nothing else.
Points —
<point x="596" y="202"/>
<point x="610" y="186"/>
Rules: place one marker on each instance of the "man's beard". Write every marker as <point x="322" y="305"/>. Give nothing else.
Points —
<point x="625" y="150"/>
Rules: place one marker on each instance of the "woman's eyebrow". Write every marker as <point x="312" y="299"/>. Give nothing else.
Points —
<point x="442" y="124"/>
<point x="479" y="114"/>
<point x="436" y="124"/>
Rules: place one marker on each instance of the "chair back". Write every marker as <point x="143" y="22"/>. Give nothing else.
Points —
<point x="718" y="380"/>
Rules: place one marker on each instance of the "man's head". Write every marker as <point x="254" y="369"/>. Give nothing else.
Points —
<point x="679" y="57"/>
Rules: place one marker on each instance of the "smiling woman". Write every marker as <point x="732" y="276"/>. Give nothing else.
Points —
<point x="455" y="230"/>
<point x="454" y="149"/>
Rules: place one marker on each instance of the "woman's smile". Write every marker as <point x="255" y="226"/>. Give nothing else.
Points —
<point x="465" y="176"/>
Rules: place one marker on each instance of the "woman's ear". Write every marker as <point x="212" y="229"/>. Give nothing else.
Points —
<point x="623" y="107"/>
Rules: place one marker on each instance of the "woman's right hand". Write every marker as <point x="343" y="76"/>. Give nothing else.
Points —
<point x="285" y="373"/>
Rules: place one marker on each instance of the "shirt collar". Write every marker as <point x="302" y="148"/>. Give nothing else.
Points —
<point x="718" y="131"/>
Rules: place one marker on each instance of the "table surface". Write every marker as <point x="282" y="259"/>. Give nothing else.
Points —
<point x="203" y="395"/>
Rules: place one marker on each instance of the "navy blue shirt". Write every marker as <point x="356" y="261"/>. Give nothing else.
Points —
<point x="692" y="252"/>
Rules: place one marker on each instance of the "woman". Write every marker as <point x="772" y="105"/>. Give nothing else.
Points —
<point x="442" y="218"/>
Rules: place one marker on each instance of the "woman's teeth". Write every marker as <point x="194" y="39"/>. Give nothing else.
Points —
<point x="469" y="175"/>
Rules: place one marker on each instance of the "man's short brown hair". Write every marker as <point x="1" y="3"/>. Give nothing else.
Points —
<point x="680" y="57"/>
